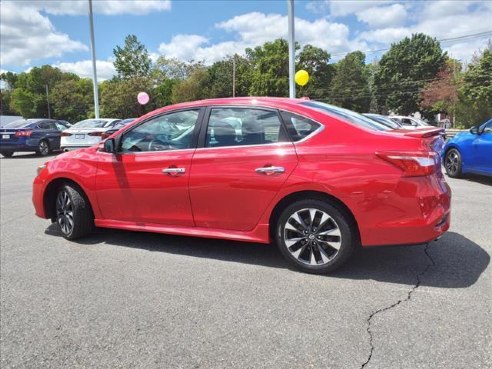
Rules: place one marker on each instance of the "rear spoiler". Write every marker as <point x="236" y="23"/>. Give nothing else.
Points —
<point x="425" y="132"/>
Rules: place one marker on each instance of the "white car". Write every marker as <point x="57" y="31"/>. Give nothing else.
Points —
<point x="409" y="122"/>
<point x="85" y="133"/>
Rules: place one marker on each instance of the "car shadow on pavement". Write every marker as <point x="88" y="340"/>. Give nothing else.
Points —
<point x="479" y="179"/>
<point x="31" y="156"/>
<point x="456" y="261"/>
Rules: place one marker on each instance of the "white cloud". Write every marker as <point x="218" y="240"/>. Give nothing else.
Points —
<point x="254" y="29"/>
<point x="343" y="8"/>
<point x="28" y="35"/>
<point x="384" y="16"/>
<point x="385" y="36"/>
<point x="106" y="7"/>
<point x="83" y="68"/>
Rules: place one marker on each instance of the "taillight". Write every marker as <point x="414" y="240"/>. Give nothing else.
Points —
<point x="412" y="164"/>
<point x="105" y="135"/>
<point x="23" y="134"/>
<point x="65" y="134"/>
<point x="95" y="134"/>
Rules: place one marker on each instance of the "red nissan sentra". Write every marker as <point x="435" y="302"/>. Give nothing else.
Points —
<point x="315" y="179"/>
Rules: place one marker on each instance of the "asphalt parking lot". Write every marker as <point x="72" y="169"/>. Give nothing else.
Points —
<point x="134" y="300"/>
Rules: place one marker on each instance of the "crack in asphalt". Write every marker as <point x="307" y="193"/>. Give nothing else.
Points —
<point x="409" y="296"/>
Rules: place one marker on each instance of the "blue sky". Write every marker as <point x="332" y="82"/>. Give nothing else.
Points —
<point x="37" y="32"/>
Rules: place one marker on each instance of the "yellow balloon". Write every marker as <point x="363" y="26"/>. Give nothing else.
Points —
<point x="302" y="77"/>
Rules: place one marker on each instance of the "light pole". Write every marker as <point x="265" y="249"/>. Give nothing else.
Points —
<point x="292" y="50"/>
<point x="94" y="72"/>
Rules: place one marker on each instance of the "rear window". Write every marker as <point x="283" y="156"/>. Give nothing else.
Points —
<point x="298" y="127"/>
<point x="21" y="123"/>
<point x="90" y="123"/>
<point x="347" y="115"/>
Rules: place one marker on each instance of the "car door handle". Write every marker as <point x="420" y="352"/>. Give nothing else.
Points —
<point x="173" y="171"/>
<point x="270" y="170"/>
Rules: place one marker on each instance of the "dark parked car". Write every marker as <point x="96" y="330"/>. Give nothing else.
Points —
<point x="38" y="135"/>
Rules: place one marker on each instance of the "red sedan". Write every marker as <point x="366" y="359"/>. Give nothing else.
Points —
<point x="315" y="179"/>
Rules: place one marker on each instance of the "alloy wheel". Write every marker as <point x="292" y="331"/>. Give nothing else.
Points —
<point x="452" y="162"/>
<point x="64" y="212"/>
<point x="312" y="236"/>
<point x="44" y="149"/>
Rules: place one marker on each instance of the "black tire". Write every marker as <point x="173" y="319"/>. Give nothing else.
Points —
<point x="77" y="209"/>
<point x="7" y="154"/>
<point x="453" y="163"/>
<point x="339" y="223"/>
<point x="43" y="148"/>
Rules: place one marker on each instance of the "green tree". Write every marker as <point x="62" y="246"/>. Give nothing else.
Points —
<point x="404" y="70"/>
<point x="349" y="87"/>
<point x="195" y="87"/>
<point x="270" y="73"/>
<point x="29" y="96"/>
<point x="132" y="60"/>
<point x="316" y="62"/>
<point x="72" y="99"/>
<point x="220" y="75"/>
<point x="476" y="91"/>
<point x="119" y="97"/>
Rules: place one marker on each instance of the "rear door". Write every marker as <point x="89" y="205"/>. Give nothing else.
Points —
<point x="244" y="159"/>
<point x="48" y="131"/>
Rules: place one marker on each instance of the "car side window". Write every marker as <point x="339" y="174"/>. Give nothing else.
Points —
<point x="44" y="125"/>
<point x="60" y="126"/>
<point x="172" y="131"/>
<point x="298" y="127"/>
<point x="243" y="126"/>
<point x="406" y="122"/>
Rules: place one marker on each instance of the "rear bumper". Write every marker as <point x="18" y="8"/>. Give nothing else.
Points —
<point x="409" y="217"/>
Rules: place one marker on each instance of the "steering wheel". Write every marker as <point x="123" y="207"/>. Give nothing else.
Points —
<point x="157" y="145"/>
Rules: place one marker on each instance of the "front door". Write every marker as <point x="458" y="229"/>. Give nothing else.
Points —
<point x="246" y="159"/>
<point x="482" y="149"/>
<point x="147" y="180"/>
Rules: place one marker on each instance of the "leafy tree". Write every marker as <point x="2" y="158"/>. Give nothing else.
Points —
<point x="72" y="99"/>
<point x="270" y="74"/>
<point x="476" y="91"/>
<point x="404" y="70"/>
<point x="441" y="94"/>
<point x="132" y="60"/>
<point x="29" y="95"/>
<point x="349" y="87"/>
<point x="195" y="87"/>
<point x="315" y="61"/>
<point x="119" y="97"/>
<point x="220" y="75"/>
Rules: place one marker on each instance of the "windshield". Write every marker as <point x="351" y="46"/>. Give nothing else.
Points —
<point x="90" y="123"/>
<point x="347" y="115"/>
<point x="18" y="124"/>
<point x="420" y="122"/>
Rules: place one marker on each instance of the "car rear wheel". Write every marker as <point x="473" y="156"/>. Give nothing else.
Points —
<point x="315" y="236"/>
<point x="43" y="148"/>
<point x="452" y="163"/>
<point x="7" y="154"/>
<point x="73" y="213"/>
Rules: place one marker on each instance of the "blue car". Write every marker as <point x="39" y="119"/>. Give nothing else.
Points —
<point x="41" y="136"/>
<point x="469" y="152"/>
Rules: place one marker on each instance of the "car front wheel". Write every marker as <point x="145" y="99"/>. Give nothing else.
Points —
<point x="315" y="236"/>
<point x="73" y="213"/>
<point x="452" y="163"/>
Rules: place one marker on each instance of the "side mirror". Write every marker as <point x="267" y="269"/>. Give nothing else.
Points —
<point x="110" y="146"/>
<point x="474" y="130"/>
